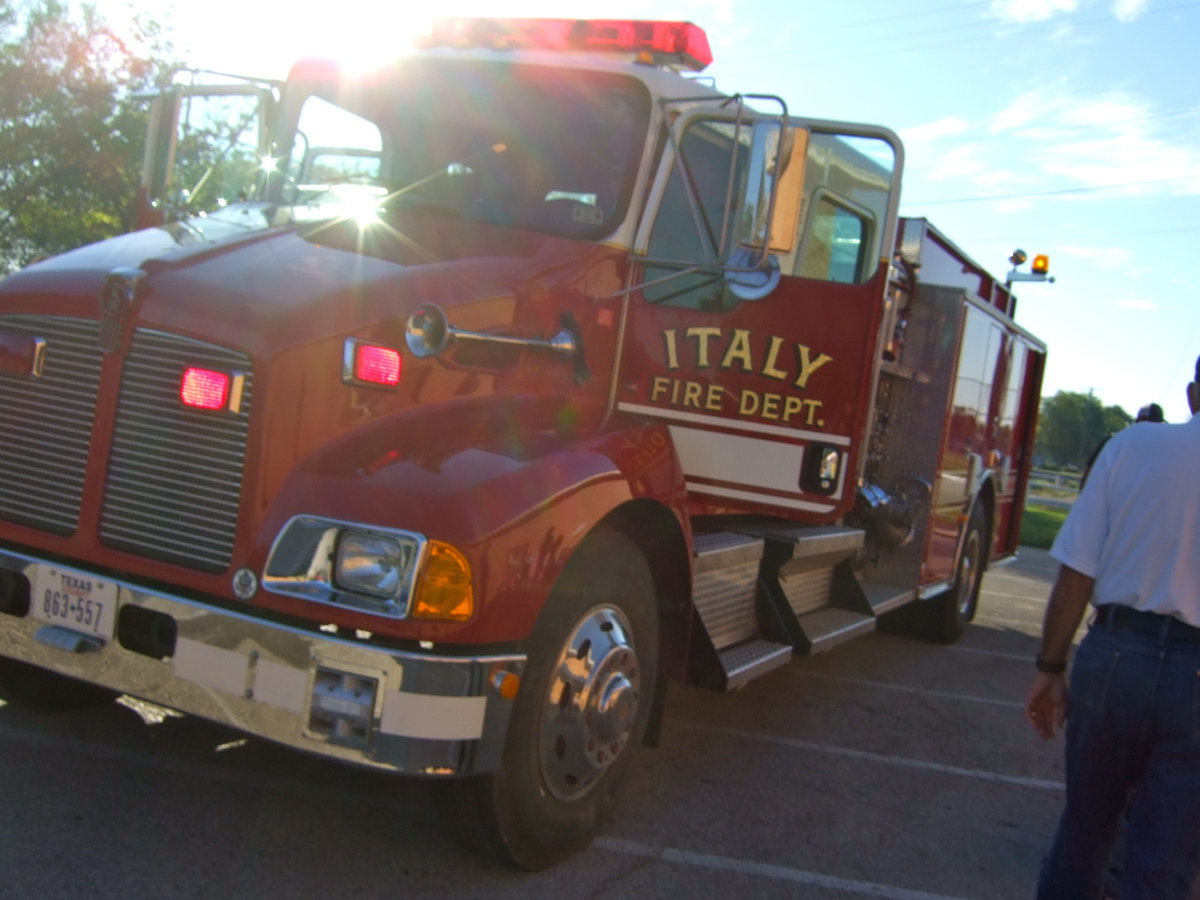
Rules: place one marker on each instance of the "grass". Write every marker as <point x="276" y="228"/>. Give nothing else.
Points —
<point x="1040" y="524"/>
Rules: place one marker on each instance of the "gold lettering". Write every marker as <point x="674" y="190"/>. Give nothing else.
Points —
<point x="770" y="406"/>
<point x="738" y="349"/>
<point x="672" y="353"/>
<point x="792" y="406"/>
<point x="716" y="394"/>
<point x="749" y="404"/>
<point x="768" y="368"/>
<point x="691" y="394"/>
<point x="703" y="334"/>
<point x="808" y="365"/>
<point x="658" y="387"/>
<point x="813" y="406"/>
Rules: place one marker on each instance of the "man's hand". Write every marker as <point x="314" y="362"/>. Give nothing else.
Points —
<point x="1046" y="704"/>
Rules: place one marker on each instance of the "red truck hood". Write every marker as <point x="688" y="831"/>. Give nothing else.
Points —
<point x="245" y="284"/>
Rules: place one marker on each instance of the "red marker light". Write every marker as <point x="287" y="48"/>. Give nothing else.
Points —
<point x="378" y="365"/>
<point x="371" y="364"/>
<point x="204" y="388"/>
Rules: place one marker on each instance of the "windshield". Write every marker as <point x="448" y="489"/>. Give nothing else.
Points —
<point x="550" y="150"/>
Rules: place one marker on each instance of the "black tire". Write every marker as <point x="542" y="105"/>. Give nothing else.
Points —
<point x="33" y="688"/>
<point x="950" y="612"/>
<point x="574" y="730"/>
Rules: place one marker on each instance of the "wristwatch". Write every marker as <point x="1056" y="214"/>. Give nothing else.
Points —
<point x="1050" y="668"/>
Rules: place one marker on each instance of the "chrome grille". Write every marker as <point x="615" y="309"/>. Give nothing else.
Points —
<point x="46" y="424"/>
<point x="174" y="474"/>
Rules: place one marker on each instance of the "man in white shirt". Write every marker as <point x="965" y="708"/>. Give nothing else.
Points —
<point x="1131" y="546"/>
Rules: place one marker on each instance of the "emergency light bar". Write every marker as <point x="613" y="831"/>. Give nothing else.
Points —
<point x="663" y="43"/>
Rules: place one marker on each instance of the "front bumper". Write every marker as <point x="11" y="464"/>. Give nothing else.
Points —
<point x="399" y="711"/>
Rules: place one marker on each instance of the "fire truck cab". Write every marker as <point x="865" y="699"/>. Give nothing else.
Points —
<point x="505" y="385"/>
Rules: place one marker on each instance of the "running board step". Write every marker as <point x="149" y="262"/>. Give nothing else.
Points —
<point x="825" y="628"/>
<point x="743" y="663"/>
<point x="726" y="583"/>
<point x="731" y="650"/>
<point x="884" y="598"/>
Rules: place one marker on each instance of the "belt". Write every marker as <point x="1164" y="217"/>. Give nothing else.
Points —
<point x="1126" y="618"/>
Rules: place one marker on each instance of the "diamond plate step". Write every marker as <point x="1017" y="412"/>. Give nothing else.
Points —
<point x="745" y="662"/>
<point x="826" y="628"/>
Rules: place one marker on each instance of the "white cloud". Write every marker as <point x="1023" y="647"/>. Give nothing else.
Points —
<point x="1137" y="303"/>
<point x="998" y="179"/>
<point x="1028" y="107"/>
<point x="1100" y="141"/>
<point x="1051" y="145"/>
<point x="933" y="131"/>
<point x="1142" y="163"/>
<point x="1009" y="207"/>
<point x="1046" y="112"/>
<point x="1031" y="10"/>
<point x="1128" y="10"/>
<point x="1103" y="257"/>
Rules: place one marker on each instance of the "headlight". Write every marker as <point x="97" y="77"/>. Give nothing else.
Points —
<point x="345" y="564"/>
<point x="373" y="565"/>
<point x="385" y="571"/>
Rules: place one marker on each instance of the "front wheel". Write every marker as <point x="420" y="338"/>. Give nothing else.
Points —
<point x="581" y="713"/>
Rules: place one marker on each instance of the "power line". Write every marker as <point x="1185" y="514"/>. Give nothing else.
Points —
<point x="840" y="54"/>
<point x="882" y="20"/>
<point x="1090" y="235"/>
<point x="1076" y="190"/>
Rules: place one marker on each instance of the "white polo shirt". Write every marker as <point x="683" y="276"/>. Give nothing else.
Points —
<point x="1135" y="528"/>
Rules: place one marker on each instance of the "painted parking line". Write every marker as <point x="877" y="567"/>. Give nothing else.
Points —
<point x="868" y="756"/>
<point x="761" y="870"/>
<point x="924" y="692"/>
<point x="995" y="654"/>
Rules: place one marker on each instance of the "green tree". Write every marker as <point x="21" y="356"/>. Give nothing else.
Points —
<point x="1071" y="425"/>
<point x="71" y="129"/>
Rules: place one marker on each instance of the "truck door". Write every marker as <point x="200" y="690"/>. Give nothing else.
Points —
<point x="764" y="377"/>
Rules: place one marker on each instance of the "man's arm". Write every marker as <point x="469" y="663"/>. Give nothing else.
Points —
<point x="1046" y="703"/>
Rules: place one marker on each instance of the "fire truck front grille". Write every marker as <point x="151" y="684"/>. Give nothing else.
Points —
<point x="46" y="424"/>
<point x="175" y="473"/>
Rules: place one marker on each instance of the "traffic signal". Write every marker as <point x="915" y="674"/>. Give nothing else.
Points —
<point x="1041" y="264"/>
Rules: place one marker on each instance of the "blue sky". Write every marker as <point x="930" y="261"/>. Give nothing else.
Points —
<point x="1067" y="127"/>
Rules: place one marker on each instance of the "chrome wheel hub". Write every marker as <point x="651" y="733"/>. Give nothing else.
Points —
<point x="592" y="704"/>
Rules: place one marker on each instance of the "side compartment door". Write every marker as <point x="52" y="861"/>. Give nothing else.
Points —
<point x="765" y="375"/>
<point x="1013" y="438"/>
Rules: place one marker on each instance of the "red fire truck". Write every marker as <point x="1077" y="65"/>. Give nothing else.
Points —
<point x="530" y="375"/>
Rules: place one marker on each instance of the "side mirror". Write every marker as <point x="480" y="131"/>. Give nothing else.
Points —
<point x="774" y="185"/>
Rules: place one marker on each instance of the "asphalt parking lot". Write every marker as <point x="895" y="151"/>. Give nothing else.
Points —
<point x="886" y="768"/>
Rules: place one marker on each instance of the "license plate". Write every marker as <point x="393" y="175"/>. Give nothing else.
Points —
<point x="75" y="600"/>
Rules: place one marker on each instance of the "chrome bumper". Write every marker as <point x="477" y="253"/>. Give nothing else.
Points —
<point x="404" y="712"/>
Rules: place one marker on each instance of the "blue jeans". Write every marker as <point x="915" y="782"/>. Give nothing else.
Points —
<point x="1133" y="738"/>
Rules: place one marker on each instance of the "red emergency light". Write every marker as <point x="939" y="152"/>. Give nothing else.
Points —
<point x="369" y="364"/>
<point x="670" y="43"/>
<point x="377" y="365"/>
<point x="204" y="388"/>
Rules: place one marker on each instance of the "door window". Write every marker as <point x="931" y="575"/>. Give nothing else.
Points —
<point x="694" y="228"/>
